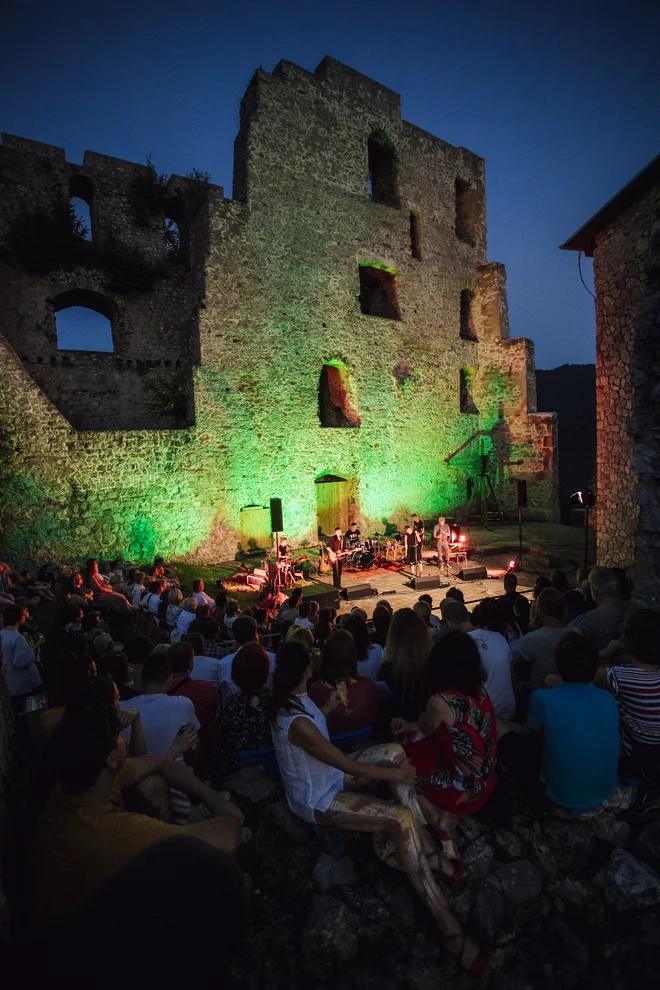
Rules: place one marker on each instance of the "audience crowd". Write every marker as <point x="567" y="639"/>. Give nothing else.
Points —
<point x="147" y="698"/>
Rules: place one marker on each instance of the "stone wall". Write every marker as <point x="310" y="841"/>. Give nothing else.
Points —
<point x="626" y="267"/>
<point x="269" y="297"/>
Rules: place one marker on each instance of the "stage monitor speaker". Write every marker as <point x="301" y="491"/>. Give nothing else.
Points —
<point x="424" y="583"/>
<point x="473" y="574"/>
<point x="357" y="591"/>
<point x="276" y="521"/>
<point x="326" y="599"/>
<point x="521" y="494"/>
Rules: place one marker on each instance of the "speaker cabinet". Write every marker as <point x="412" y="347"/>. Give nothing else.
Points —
<point x="276" y="521"/>
<point x="357" y="591"/>
<point x="326" y="599"/>
<point x="473" y="574"/>
<point x="425" y="583"/>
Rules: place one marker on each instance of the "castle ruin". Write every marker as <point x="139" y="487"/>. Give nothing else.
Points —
<point x="330" y="336"/>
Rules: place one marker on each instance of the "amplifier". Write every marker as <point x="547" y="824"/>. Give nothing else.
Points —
<point x="357" y="591"/>
<point x="473" y="574"/>
<point x="424" y="583"/>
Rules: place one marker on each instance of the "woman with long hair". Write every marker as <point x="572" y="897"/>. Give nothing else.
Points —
<point x="103" y="593"/>
<point x="324" y="626"/>
<point x="316" y="777"/>
<point x="403" y="670"/>
<point x="380" y="621"/>
<point x="456" y="760"/>
<point x="370" y="654"/>
<point x="339" y="673"/>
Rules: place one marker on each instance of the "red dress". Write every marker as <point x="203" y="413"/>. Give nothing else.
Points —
<point x="456" y="766"/>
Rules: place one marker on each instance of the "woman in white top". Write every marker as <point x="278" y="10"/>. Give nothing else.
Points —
<point x="185" y="620"/>
<point x="103" y="593"/>
<point x="320" y="783"/>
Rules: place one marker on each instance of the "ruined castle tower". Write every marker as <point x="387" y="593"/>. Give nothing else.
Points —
<point x="331" y="335"/>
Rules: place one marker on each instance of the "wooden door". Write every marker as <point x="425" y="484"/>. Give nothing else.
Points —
<point x="332" y="505"/>
<point x="255" y="526"/>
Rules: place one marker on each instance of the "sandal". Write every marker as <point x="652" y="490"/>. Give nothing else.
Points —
<point x="445" y="841"/>
<point x="480" y="965"/>
<point x="458" y="873"/>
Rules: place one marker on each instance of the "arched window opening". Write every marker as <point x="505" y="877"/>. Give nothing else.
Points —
<point x="466" y="212"/>
<point x="382" y="178"/>
<point x="378" y="295"/>
<point x="83" y="321"/>
<point x="467" y="330"/>
<point x="81" y="192"/>
<point x="337" y="406"/>
<point x="172" y="236"/>
<point x="467" y="403"/>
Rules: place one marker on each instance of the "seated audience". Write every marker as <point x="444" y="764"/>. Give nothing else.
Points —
<point x="423" y="610"/>
<point x="634" y="680"/>
<point x="174" y="607"/>
<point x="231" y="613"/>
<point x="212" y="632"/>
<point x="496" y="658"/>
<point x="200" y="595"/>
<point x="456" y="594"/>
<point x="456" y="761"/>
<point x="103" y="592"/>
<point x="162" y="716"/>
<point x="139" y="589"/>
<point x="18" y="657"/>
<point x="602" y="625"/>
<point x="306" y="614"/>
<point x="221" y="598"/>
<point x="204" y="696"/>
<point x="117" y="667"/>
<point x="511" y="593"/>
<point x="292" y="603"/>
<point x="185" y="619"/>
<point x="205" y="668"/>
<point x="84" y="837"/>
<point x="434" y="621"/>
<point x="243" y="720"/>
<point x="580" y="726"/>
<point x="537" y="649"/>
<point x="245" y="631"/>
<point x="559" y="582"/>
<point x="324" y="626"/>
<point x="370" y="655"/>
<point x="68" y="684"/>
<point x="521" y="614"/>
<point x="315" y="774"/>
<point x="151" y="601"/>
<point x="380" y="621"/>
<point x="74" y="591"/>
<point x="540" y="584"/>
<point x="404" y="664"/>
<point x="338" y="674"/>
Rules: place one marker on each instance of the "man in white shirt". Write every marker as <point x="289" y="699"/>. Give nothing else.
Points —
<point x="204" y="668"/>
<point x="200" y="595"/>
<point x="162" y="715"/>
<point x="244" y="631"/>
<point x="307" y="610"/>
<point x="496" y="658"/>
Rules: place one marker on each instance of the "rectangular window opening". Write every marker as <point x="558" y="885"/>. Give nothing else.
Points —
<point x="467" y="330"/>
<point x="466" y="212"/>
<point x="378" y="296"/>
<point x="415" y="235"/>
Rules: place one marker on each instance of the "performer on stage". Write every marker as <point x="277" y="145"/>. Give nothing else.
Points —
<point x="282" y="548"/>
<point x="418" y="526"/>
<point x="441" y="535"/>
<point x="410" y="544"/>
<point x="335" y="546"/>
<point x="352" y="536"/>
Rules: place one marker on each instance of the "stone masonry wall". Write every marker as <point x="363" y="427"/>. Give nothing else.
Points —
<point x="626" y="267"/>
<point x="270" y="296"/>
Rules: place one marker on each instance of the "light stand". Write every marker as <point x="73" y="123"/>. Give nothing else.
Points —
<point x="521" y="556"/>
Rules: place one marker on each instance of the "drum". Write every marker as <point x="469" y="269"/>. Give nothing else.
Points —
<point x="355" y="558"/>
<point x="365" y="559"/>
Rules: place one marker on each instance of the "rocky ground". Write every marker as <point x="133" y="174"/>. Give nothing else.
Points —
<point x="559" y="903"/>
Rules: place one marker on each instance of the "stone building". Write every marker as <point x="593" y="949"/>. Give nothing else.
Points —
<point x="329" y="336"/>
<point x="623" y="238"/>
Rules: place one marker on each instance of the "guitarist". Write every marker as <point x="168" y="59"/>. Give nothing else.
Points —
<point x="335" y="547"/>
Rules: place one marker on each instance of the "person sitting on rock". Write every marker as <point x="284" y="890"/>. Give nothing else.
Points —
<point x="204" y="696"/>
<point x="456" y="755"/>
<point x="601" y="625"/>
<point x="580" y="725"/>
<point x="537" y="649"/>
<point x="185" y="619"/>
<point x="85" y="835"/>
<point x="496" y="657"/>
<point x="200" y="594"/>
<point x="338" y="673"/>
<point x="370" y="654"/>
<point x="232" y="612"/>
<point x="634" y="680"/>
<point x="243" y="720"/>
<point x="320" y="782"/>
<point x="244" y="631"/>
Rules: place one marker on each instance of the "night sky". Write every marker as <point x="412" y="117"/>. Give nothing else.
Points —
<point x="562" y="99"/>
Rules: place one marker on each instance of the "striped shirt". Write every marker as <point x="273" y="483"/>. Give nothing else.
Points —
<point x="638" y="694"/>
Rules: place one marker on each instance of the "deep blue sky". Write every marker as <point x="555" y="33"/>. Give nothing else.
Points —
<point x="561" y="99"/>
